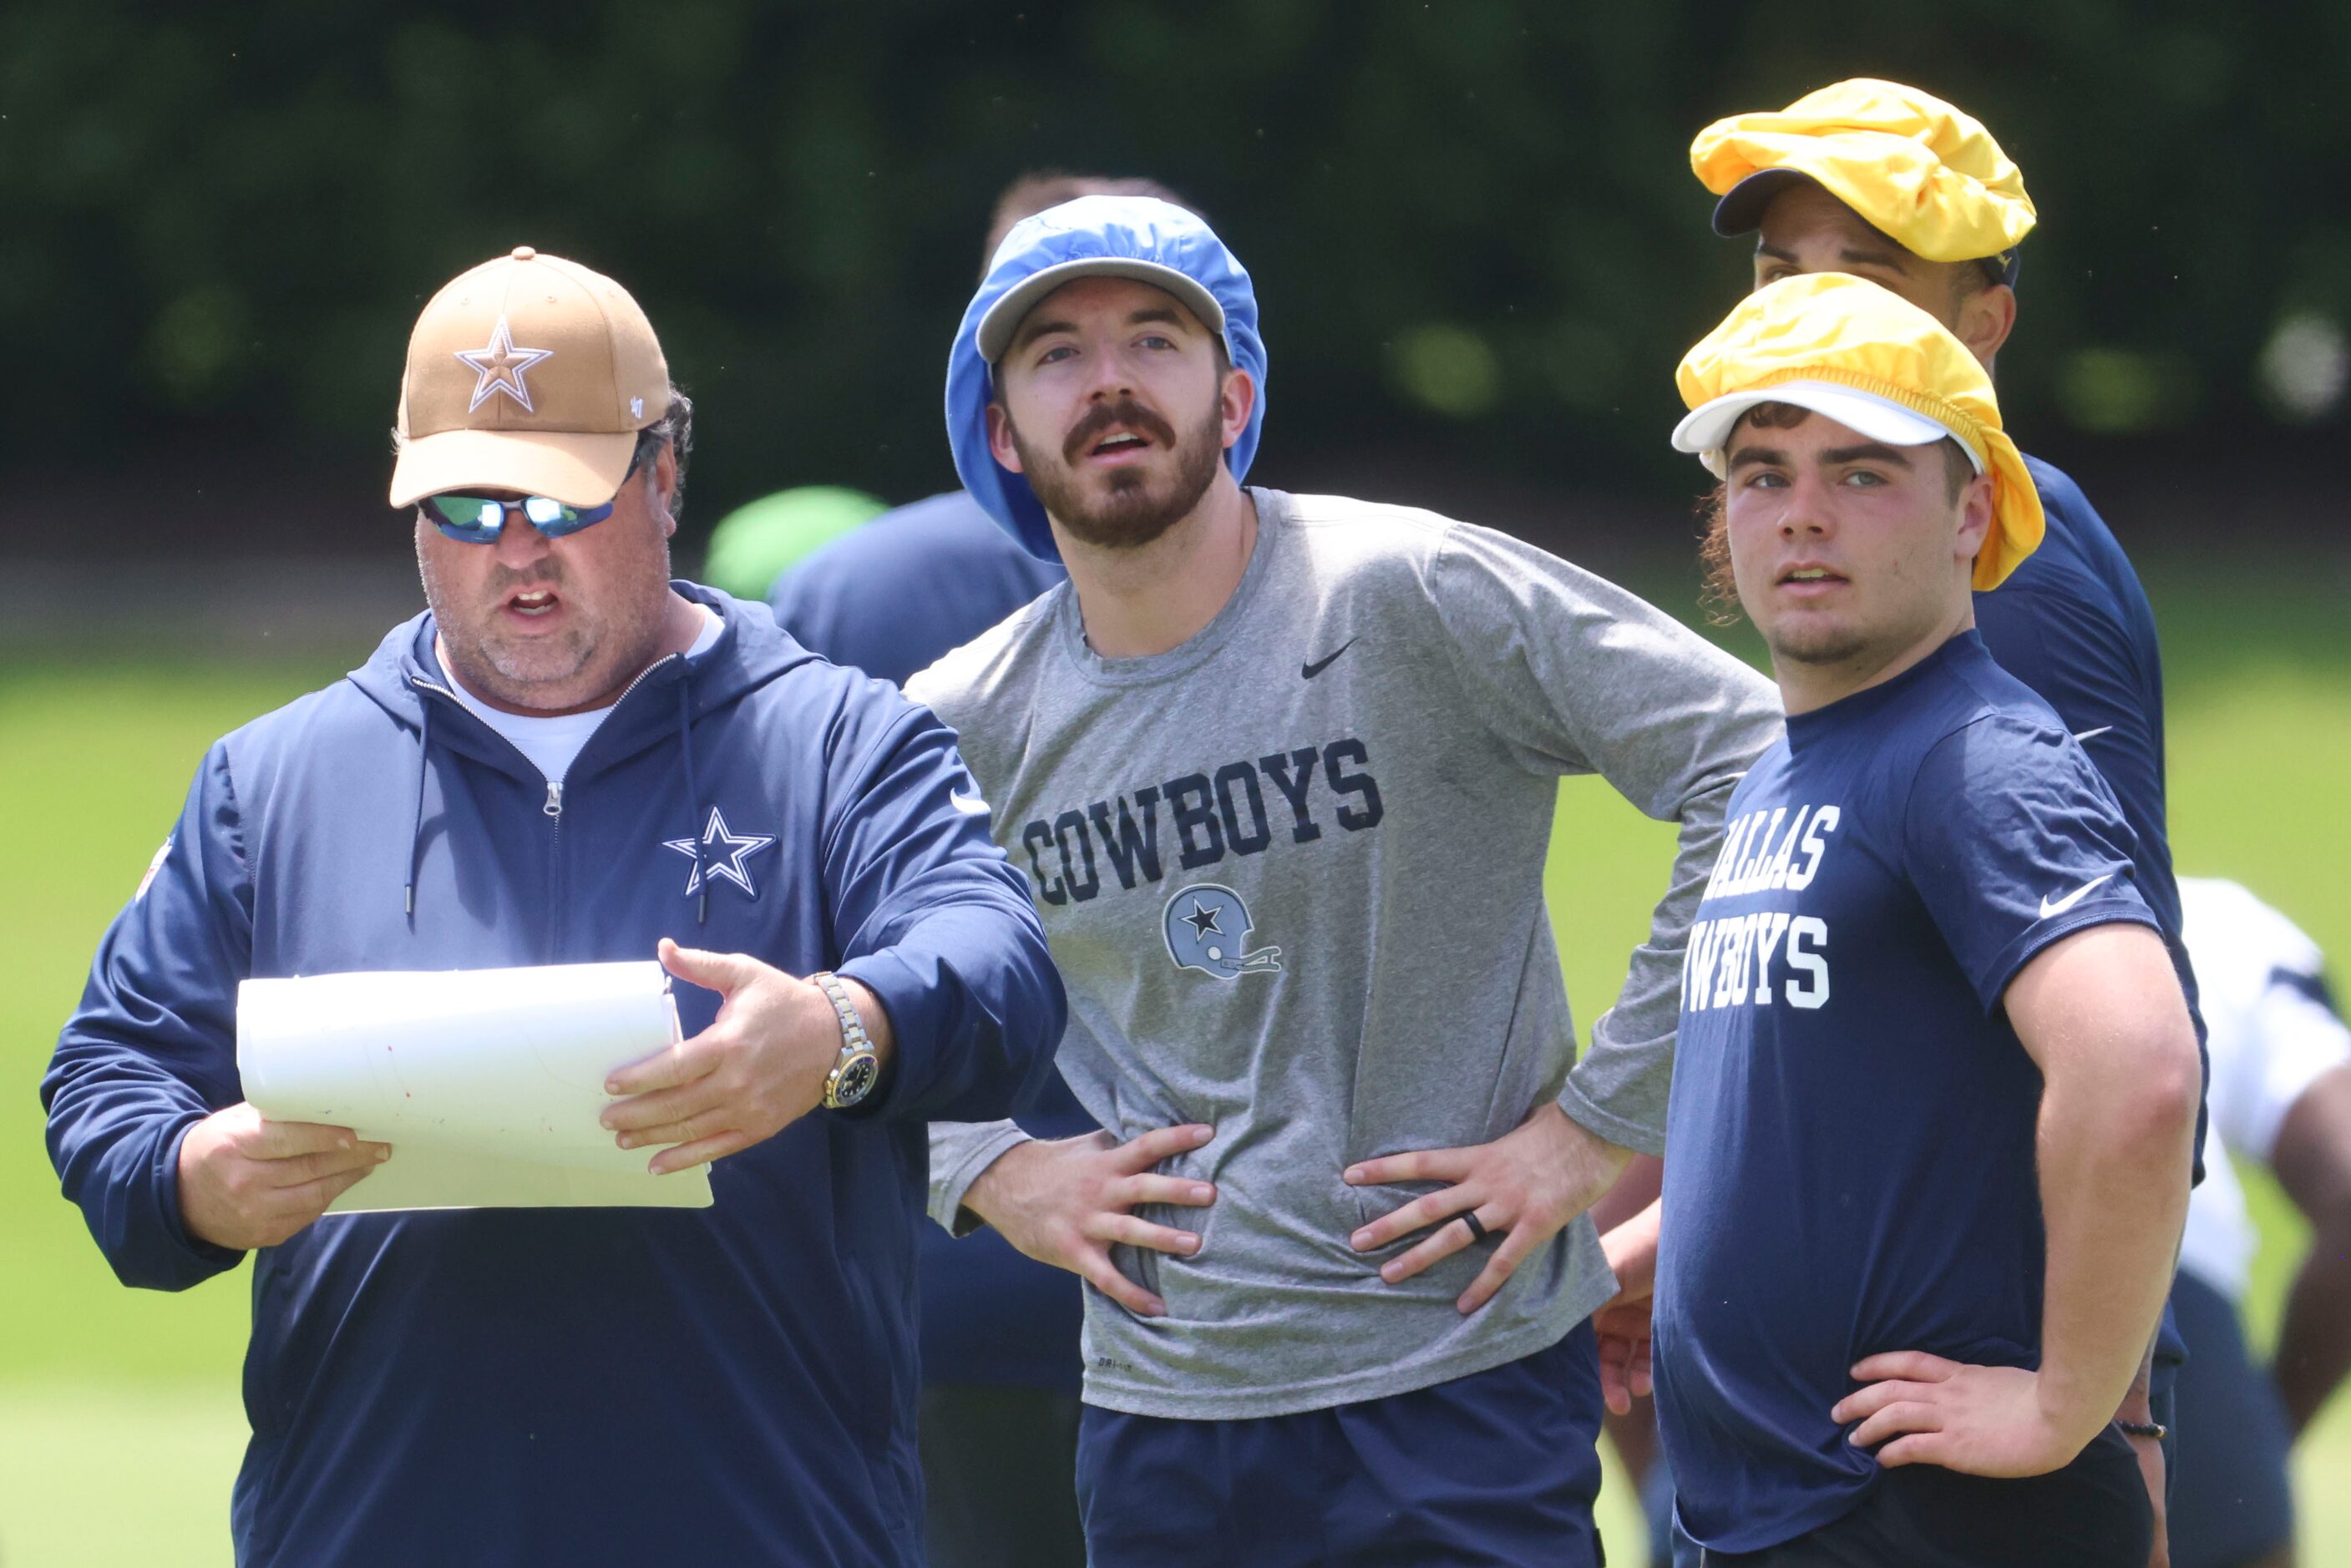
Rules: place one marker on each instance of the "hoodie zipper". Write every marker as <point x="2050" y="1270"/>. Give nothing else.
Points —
<point x="553" y="811"/>
<point x="552" y="808"/>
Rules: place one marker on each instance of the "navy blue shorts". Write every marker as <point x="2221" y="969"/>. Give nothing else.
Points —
<point x="2093" y="1513"/>
<point x="2232" y="1499"/>
<point x="1498" y="1468"/>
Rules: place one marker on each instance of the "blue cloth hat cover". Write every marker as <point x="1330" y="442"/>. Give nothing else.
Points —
<point x="1127" y="236"/>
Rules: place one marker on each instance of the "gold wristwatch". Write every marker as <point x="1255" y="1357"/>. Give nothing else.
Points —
<point x="855" y="1075"/>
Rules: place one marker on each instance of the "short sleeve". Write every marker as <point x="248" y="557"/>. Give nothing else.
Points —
<point x="2012" y="840"/>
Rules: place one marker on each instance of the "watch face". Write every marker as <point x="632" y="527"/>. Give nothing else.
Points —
<point x="855" y="1079"/>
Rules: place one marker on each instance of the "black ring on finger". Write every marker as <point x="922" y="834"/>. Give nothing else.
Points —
<point x="1477" y="1233"/>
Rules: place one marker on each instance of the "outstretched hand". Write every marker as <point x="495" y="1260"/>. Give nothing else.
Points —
<point x="1523" y="1188"/>
<point x="1069" y="1202"/>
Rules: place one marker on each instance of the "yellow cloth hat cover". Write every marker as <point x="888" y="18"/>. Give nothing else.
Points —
<point x="1828" y="326"/>
<point x="1922" y="173"/>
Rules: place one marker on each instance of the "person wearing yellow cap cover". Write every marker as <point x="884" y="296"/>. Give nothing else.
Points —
<point x="1890" y="183"/>
<point x="1946" y="1077"/>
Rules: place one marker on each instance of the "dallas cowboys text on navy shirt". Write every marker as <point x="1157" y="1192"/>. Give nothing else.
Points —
<point x="1853" y="1171"/>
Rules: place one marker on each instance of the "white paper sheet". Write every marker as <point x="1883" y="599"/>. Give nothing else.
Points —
<point x="487" y="1083"/>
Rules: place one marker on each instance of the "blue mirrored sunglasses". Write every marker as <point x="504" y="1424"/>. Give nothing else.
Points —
<point x="479" y="519"/>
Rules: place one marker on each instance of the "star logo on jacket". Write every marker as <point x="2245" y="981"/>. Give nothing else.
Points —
<point x="723" y="854"/>
<point x="500" y="367"/>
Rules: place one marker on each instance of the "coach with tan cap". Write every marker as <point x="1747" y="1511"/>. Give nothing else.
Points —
<point x="569" y="758"/>
<point x="1940" y="1077"/>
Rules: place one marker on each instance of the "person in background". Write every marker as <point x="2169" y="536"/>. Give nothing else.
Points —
<point x="761" y="539"/>
<point x="2281" y="1097"/>
<point x="1896" y="187"/>
<point x="999" y="1330"/>
<point x="916" y="581"/>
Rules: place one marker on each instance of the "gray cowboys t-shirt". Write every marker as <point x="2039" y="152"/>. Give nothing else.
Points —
<point x="1292" y="874"/>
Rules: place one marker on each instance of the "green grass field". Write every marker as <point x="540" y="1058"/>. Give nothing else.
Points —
<point x="119" y="1425"/>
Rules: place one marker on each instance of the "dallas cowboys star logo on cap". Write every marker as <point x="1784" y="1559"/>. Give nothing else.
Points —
<point x="727" y="863"/>
<point x="500" y="366"/>
<point x="1202" y="921"/>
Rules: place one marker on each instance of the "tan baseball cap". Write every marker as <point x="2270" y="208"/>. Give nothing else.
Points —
<point x="527" y="373"/>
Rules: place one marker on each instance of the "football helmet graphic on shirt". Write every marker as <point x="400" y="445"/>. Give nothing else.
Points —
<point x="1207" y="926"/>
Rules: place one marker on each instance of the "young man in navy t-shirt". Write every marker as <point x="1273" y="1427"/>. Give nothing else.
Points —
<point x="1936" y="1085"/>
<point x="1893" y="185"/>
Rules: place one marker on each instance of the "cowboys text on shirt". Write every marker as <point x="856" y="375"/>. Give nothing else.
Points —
<point x="1765" y="956"/>
<point x="1208" y="815"/>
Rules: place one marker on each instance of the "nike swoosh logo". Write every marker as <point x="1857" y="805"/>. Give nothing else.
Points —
<point x="2070" y="900"/>
<point x="969" y="804"/>
<point x="1311" y="670"/>
<point x="2092" y="734"/>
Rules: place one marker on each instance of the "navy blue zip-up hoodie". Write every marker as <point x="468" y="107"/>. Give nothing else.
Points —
<point x="726" y="1384"/>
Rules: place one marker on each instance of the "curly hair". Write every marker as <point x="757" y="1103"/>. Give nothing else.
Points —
<point x="1718" y="593"/>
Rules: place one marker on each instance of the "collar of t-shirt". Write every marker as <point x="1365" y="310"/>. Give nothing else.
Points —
<point x="1963" y="648"/>
<point x="552" y="742"/>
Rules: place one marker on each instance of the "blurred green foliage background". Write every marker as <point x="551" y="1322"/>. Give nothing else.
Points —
<point x="1472" y="222"/>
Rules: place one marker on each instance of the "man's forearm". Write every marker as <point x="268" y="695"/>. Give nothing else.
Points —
<point x="2114" y="1159"/>
<point x="961" y="1152"/>
<point x="2313" y="1349"/>
<point x="2139" y="1399"/>
<point x="2312" y="1157"/>
<point x="1620" y="1087"/>
<point x="1636" y="1190"/>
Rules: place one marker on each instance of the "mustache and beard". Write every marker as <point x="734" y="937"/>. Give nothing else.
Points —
<point x="1126" y="510"/>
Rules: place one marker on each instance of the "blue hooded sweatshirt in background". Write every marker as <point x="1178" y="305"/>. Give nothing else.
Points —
<point x="730" y="1383"/>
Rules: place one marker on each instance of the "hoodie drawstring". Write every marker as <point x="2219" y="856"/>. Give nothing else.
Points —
<point x="694" y="797"/>
<point x="416" y="829"/>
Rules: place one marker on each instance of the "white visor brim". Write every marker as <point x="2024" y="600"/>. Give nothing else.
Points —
<point x="1706" y="430"/>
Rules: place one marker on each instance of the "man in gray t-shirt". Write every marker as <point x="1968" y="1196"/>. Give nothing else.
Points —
<point x="1281" y="771"/>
